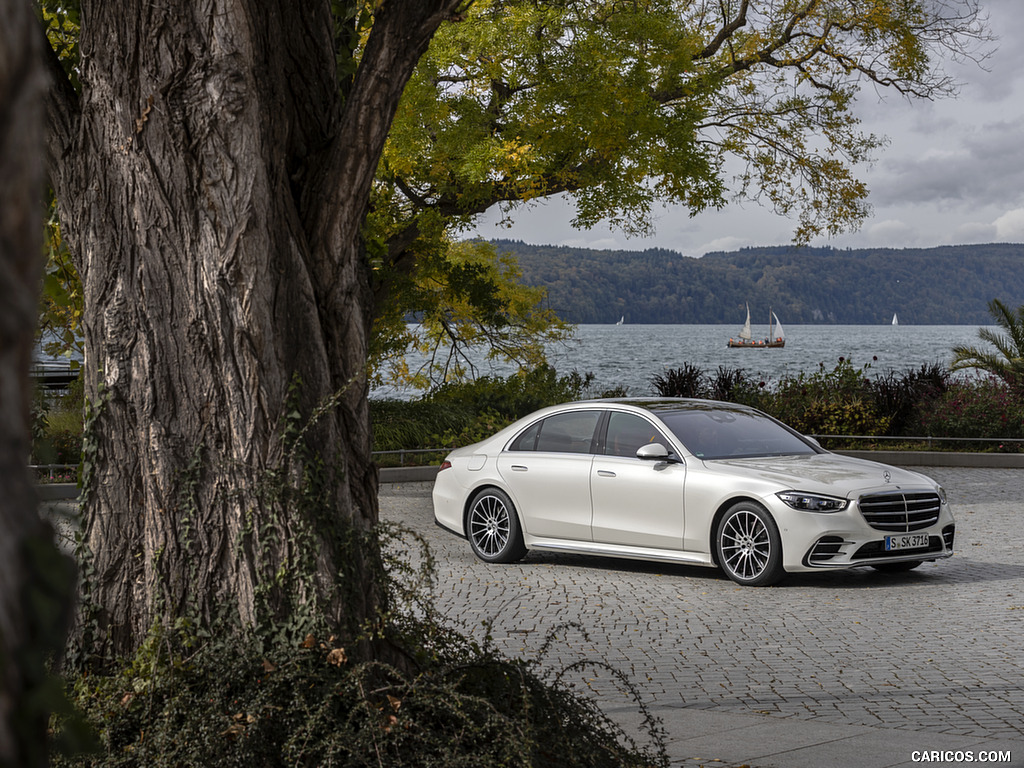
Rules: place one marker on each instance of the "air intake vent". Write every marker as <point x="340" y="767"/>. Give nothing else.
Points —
<point x="947" y="536"/>
<point x="825" y="549"/>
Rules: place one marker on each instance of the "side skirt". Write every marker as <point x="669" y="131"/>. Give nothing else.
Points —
<point x="615" y="550"/>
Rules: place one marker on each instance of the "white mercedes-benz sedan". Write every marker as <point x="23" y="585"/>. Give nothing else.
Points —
<point x="686" y="481"/>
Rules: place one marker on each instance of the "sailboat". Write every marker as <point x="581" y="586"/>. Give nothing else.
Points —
<point x="895" y="320"/>
<point x="621" y="320"/>
<point x="776" y="336"/>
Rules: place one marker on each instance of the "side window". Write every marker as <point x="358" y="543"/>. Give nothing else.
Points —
<point x="562" y="433"/>
<point x="627" y="432"/>
<point x="528" y="440"/>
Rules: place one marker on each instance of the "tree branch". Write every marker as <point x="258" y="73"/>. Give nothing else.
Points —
<point x="725" y="33"/>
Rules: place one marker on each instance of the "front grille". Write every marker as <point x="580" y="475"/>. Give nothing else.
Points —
<point x="900" y="512"/>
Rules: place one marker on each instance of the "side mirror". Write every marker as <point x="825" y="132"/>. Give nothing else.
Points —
<point x="655" y="451"/>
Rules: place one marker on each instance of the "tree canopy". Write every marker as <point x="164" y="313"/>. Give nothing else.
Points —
<point x="623" y="103"/>
<point x="462" y="295"/>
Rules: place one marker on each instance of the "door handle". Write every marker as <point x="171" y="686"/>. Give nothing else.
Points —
<point x="605" y="473"/>
<point x="519" y="468"/>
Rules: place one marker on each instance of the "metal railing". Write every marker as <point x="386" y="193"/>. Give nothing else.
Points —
<point x="51" y="473"/>
<point x="55" y="473"/>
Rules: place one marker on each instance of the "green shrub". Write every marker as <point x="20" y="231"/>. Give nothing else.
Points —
<point x="734" y="385"/>
<point x="979" y="407"/>
<point x="686" y="381"/>
<point x="484" y="425"/>
<point x="831" y="416"/>
<point x="898" y="396"/>
<point x="465" y="412"/>
<point x="236" y="703"/>
<point x="57" y="431"/>
<point x="835" y="402"/>
<point x="399" y="424"/>
<point x="57" y="426"/>
<point x="515" y="396"/>
<point x="234" y="698"/>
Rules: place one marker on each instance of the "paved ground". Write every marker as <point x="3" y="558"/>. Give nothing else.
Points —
<point x="854" y="668"/>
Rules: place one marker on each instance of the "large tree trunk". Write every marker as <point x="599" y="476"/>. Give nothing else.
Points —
<point x="36" y="581"/>
<point x="213" y="185"/>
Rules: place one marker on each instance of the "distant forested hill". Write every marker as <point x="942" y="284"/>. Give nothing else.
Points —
<point x="935" y="286"/>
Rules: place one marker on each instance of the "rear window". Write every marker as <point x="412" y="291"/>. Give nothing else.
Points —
<point x="724" y="434"/>
<point x="571" y="432"/>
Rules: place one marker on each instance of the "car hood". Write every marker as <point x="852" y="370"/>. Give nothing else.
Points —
<point x="827" y="473"/>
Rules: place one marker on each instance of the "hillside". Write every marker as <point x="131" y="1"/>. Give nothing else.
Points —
<point x="937" y="286"/>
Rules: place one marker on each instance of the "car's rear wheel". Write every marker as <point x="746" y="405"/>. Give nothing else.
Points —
<point x="492" y="527"/>
<point x="906" y="565"/>
<point x="748" y="545"/>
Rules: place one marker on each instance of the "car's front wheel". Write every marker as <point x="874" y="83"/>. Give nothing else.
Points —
<point x="493" y="527"/>
<point x="748" y="545"/>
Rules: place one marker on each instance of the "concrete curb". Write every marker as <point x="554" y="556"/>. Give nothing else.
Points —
<point x="57" y="491"/>
<point x="408" y="474"/>
<point x="942" y="459"/>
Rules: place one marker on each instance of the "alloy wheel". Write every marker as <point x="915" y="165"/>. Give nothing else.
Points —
<point x="490" y="527"/>
<point x="749" y="546"/>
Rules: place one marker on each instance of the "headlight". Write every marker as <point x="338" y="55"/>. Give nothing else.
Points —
<point x="942" y="493"/>
<point x="812" y="502"/>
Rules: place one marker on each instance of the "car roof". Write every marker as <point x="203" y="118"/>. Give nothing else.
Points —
<point x="669" y="403"/>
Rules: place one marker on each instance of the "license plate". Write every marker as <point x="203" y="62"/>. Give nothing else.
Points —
<point x="906" y="541"/>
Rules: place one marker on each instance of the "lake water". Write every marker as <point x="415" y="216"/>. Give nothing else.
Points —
<point x="629" y="355"/>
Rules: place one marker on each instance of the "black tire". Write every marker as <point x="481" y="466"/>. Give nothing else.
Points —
<point x="903" y="567"/>
<point x="492" y="527"/>
<point x="748" y="545"/>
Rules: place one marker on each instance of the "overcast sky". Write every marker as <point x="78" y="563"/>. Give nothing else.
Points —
<point x="952" y="174"/>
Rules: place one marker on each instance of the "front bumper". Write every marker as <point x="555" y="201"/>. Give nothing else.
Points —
<point x="821" y="541"/>
<point x="840" y="552"/>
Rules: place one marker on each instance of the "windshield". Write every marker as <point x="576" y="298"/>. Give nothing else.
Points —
<point x="728" y="434"/>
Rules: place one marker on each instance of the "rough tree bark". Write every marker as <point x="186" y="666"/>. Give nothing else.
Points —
<point x="212" y="182"/>
<point x="35" y="580"/>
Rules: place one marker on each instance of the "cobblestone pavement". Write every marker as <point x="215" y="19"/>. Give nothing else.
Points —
<point x="939" y="650"/>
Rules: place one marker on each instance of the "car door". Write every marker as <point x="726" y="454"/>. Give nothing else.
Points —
<point x="637" y="502"/>
<point x="547" y="470"/>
